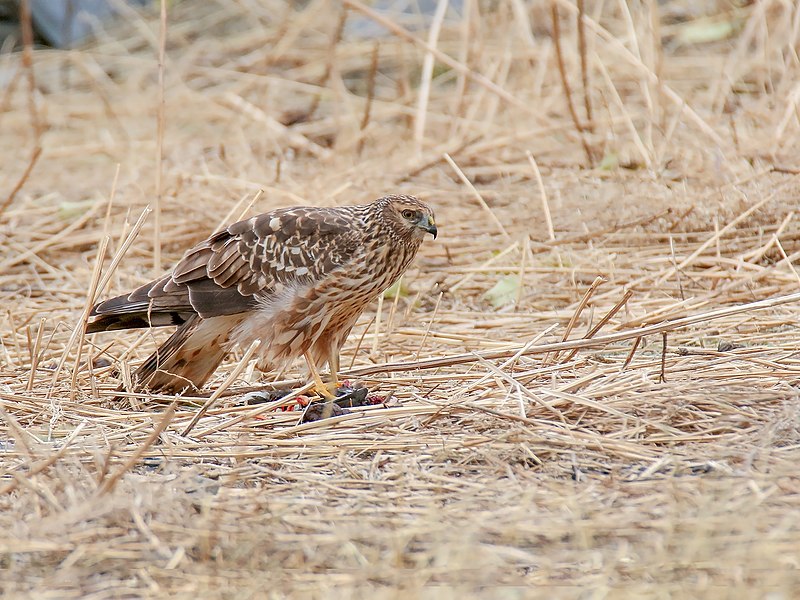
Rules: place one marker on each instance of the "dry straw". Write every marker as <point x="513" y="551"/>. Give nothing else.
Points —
<point x="588" y="381"/>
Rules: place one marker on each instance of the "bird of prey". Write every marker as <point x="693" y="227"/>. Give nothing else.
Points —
<point x="296" y="279"/>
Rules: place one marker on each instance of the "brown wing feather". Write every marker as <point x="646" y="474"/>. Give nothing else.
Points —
<point x="234" y="269"/>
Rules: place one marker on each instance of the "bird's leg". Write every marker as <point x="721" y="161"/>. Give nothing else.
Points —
<point x="333" y="364"/>
<point x="319" y="386"/>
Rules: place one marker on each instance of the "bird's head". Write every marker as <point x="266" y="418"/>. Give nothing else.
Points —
<point x="408" y="217"/>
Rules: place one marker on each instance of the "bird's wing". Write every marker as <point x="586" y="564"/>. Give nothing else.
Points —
<point x="236" y="268"/>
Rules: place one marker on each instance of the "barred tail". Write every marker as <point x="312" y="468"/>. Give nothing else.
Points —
<point x="186" y="360"/>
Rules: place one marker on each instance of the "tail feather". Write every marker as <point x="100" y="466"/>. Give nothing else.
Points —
<point x="185" y="360"/>
<point x="135" y="320"/>
<point x="129" y="312"/>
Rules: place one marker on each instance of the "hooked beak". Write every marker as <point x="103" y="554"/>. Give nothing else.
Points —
<point x="427" y="223"/>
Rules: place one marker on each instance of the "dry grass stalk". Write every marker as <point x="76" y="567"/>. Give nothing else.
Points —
<point x="162" y="48"/>
<point x="565" y="83"/>
<point x="96" y="286"/>
<point x="427" y="72"/>
<point x="481" y="202"/>
<point x="587" y="97"/>
<point x="221" y="389"/>
<point x="109" y="482"/>
<point x="373" y="70"/>
<point x="598" y="281"/>
<point x="441" y="56"/>
<point x="37" y="152"/>
<point x="27" y="64"/>
<point x="548" y="218"/>
<point x="671" y="94"/>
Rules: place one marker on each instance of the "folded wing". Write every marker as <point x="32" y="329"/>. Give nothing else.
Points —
<point x="238" y="267"/>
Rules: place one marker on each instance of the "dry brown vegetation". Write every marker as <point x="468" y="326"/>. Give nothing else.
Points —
<point x="618" y="470"/>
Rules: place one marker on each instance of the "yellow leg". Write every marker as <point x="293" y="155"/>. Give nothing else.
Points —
<point x="333" y="363"/>
<point x="319" y="386"/>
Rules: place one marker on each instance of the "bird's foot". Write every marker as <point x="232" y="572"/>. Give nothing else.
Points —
<point x="328" y="391"/>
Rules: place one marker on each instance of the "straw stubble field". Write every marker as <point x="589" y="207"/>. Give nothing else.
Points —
<point x="655" y="458"/>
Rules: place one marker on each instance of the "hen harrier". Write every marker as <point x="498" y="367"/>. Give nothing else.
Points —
<point x="295" y="278"/>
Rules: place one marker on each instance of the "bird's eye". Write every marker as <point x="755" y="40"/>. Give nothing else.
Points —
<point x="408" y="214"/>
